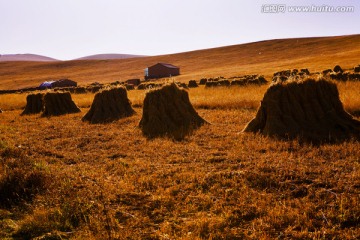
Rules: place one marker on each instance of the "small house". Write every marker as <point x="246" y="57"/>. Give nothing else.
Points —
<point x="161" y="70"/>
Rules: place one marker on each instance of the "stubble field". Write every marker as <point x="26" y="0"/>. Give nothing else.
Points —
<point x="61" y="178"/>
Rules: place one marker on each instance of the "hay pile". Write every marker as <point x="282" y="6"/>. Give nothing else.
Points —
<point x="182" y="85"/>
<point x="58" y="103"/>
<point x="149" y="85"/>
<point x="338" y="69"/>
<point x="309" y="110"/>
<point x="294" y="74"/>
<point x="248" y="80"/>
<point x="109" y="105"/>
<point x="345" y="76"/>
<point x="79" y="90"/>
<point x="217" y="83"/>
<point x="304" y="71"/>
<point x="203" y="81"/>
<point x="34" y="104"/>
<point x="93" y="88"/>
<point x="192" y="84"/>
<point x="168" y="112"/>
<point x="357" y="69"/>
<point x="129" y="86"/>
<point x="65" y="89"/>
<point x="326" y="71"/>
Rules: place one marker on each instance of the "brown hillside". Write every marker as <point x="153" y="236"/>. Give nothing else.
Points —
<point x="264" y="57"/>
<point x="109" y="56"/>
<point x="25" y="57"/>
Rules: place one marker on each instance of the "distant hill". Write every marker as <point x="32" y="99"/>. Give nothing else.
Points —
<point x="25" y="57"/>
<point x="265" y="57"/>
<point x="109" y="56"/>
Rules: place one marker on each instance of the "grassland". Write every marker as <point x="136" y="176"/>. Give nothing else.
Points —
<point x="74" y="180"/>
<point x="61" y="178"/>
<point x="264" y="58"/>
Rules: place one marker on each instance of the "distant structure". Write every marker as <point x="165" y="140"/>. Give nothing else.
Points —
<point x="134" y="81"/>
<point x="58" y="83"/>
<point x="160" y="70"/>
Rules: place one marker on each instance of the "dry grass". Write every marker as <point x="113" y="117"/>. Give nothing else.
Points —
<point x="9" y="102"/>
<point x="109" y="182"/>
<point x="349" y="95"/>
<point x="61" y="178"/>
<point x="245" y="97"/>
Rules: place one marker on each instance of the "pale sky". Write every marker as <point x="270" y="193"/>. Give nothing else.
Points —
<point x="68" y="29"/>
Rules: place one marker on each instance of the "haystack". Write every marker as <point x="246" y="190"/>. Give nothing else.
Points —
<point x="168" y="112"/>
<point x="109" y="105"/>
<point x="338" y="69"/>
<point x="80" y="90"/>
<point x="326" y="71"/>
<point x="357" y="69"/>
<point x="305" y="71"/>
<point x="129" y="86"/>
<point x="34" y="104"/>
<point x="309" y="110"/>
<point x="182" y="85"/>
<point x="192" y="84"/>
<point x="217" y="83"/>
<point x="354" y="76"/>
<point x="58" y="103"/>
<point x="149" y="85"/>
<point x="203" y="81"/>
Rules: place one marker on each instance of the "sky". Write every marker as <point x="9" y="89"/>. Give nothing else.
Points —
<point x="69" y="29"/>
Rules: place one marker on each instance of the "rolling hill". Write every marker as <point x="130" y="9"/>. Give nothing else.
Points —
<point x="109" y="56"/>
<point x="264" y="57"/>
<point x="25" y="57"/>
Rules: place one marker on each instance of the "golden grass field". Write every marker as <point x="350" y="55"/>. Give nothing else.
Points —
<point x="74" y="180"/>
<point x="61" y="178"/>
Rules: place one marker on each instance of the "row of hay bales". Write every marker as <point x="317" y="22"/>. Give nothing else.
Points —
<point x="50" y="104"/>
<point x="232" y="81"/>
<point x="340" y="75"/>
<point x="156" y="85"/>
<point x="248" y="80"/>
<point x="308" y="110"/>
<point x="296" y="74"/>
<point x="91" y="88"/>
<point x="167" y="111"/>
<point x="204" y="80"/>
<point x="337" y="73"/>
<point x="338" y="69"/>
<point x="149" y="85"/>
<point x="357" y="69"/>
